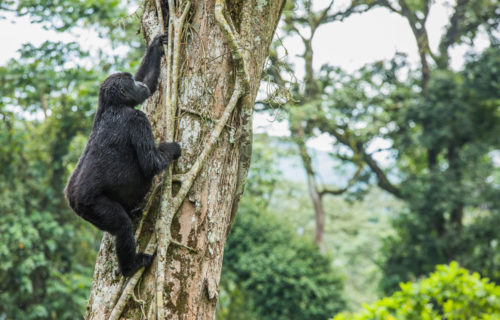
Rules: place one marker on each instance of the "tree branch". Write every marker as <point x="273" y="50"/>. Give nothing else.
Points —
<point x="167" y="212"/>
<point x="353" y="9"/>
<point x="383" y="181"/>
<point x="452" y="32"/>
<point x="320" y="19"/>
<point x="351" y="182"/>
<point x="386" y="4"/>
<point x="359" y="151"/>
<point x="418" y="28"/>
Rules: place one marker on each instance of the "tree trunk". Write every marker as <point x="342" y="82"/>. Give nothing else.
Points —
<point x="300" y="139"/>
<point x="219" y="65"/>
<point x="319" y="211"/>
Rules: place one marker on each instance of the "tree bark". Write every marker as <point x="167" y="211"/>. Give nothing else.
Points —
<point x="208" y="78"/>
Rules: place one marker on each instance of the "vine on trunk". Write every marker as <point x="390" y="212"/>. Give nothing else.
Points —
<point x="169" y="203"/>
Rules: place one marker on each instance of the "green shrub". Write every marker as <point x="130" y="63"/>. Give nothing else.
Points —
<point x="270" y="273"/>
<point x="451" y="293"/>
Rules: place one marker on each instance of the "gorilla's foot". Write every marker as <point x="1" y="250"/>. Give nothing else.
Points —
<point x="141" y="260"/>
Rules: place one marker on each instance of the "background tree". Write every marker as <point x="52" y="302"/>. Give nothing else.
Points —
<point x="302" y="20"/>
<point x="439" y="140"/>
<point x="446" y="201"/>
<point x="277" y="274"/>
<point x="426" y="120"/>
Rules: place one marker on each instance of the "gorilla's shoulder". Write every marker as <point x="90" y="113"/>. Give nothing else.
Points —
<point x="138" y="118"/>
<point x="136" y="114"/>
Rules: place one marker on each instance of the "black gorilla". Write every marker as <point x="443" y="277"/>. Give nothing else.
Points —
<point x="117" y="166"/>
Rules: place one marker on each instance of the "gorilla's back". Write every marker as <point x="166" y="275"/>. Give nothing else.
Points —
<point x="109" y="163"/>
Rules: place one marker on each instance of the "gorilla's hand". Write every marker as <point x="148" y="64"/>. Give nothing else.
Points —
<point x="171" y="149"/>
<point x="159" y="41"/>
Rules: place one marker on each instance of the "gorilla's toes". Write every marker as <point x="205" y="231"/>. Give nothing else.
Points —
<point x="144" y="260"/>
<point x="141" y="260"/>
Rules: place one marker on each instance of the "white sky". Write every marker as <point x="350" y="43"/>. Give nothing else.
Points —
<point x="360" y="39"/>
<point x="16" y="31"/>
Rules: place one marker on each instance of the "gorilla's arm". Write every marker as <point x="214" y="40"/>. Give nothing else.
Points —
<point x="149" y="70"/>
<point x="152" y="159"/>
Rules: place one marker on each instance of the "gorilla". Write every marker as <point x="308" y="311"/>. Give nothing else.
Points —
<point x="117" y="167"/>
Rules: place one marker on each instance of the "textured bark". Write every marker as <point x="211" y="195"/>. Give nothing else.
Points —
<point x="206" y="83"/>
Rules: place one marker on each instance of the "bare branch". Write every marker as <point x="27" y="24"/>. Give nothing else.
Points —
<point x="321" y="17"/>
<point x="359" y="151"/>
<point x="353" y="9"/>
<point x="383" y="181"/>
<point x="351" y="182"/>
<point x="420" y="33"/>
<point x="302" y="37"/>
<point x="452" y="32"/>
<point x="426" y="10"/>
<point x="167" y="212"/>
<point x="389" y="6"/>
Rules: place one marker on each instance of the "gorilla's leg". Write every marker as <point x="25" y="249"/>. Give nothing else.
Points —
<point x="110" y="216"/>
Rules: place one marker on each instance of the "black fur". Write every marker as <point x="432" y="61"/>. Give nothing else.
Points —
<point x="117" y="166"/>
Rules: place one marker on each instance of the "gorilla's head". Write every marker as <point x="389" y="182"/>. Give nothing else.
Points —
<point x="122" y="89"/>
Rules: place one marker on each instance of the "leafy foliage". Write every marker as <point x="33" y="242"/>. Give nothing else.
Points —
<point x="46" y="102"/>
<point x="437" y="129"/>
<point x="280" y="276"/>
<point x="451" y="193"/>
<point x="450" y="292"/>
<point x="47" y="252"/>
<point x="268" y="271"/>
